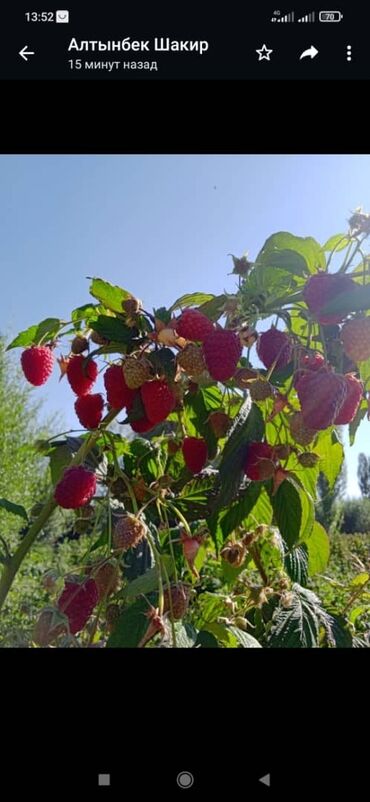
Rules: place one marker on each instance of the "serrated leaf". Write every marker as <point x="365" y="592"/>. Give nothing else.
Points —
<point x="240" y="510"/>
<point x="111" y="296"/>
<point x="48" y="328"/>
<point x="294" y="511"/>
<point x="113" y="329"/>
<point x="59" y="459"/>
<point x="332" y="455"/>
<point x="223" y="634"/>
<point x="186" y="635"/>
<point x="296" y="626"/>
<point x="131" y="626"/>
<point x="198" y="408"/>
<point x="338" y="635"/>
<point x="192" y="299"/>
<point x="147" y="582"/>
<point x="206" y="640"/>
<point x="214" y="309"/>
<point x="306" y="247"/>
<point x="84" y="313"/>
<point x="336" y="243"/>
<point x="245" y="640"/>
<point x="248" y="427"/>
<point x="296" y="564"/>
<point x="14" y="509"/>
<point x="318" y="546"/>
<point x="290" y="261"/>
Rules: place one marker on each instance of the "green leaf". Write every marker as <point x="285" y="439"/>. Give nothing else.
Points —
<point x="338" y="635"/>
<point x="223" y="634"/>
<point x="248" y="427"/>
<point x="332" y="455"/>
<point x="240" y="510"/>
<point x="294" y="511"/>
<point x="194" y="299"/>
<point x="360" y="579"/>
<point x="206" y="640"/>
<point x="113" y="329"/>
<point x="245" y="640"/>
<point x="336" y="243"/>
<point x="15" y="509"/>
<point x="290" y="261"/>
<point x="131" y="627"/>
<point x="147" y="582"/>
<point x="111" y="296"/>
<point x="198" y="408"/>
<point x="306" y="247"/>
<point x="318" y="546"/>
<point x="186" y="636"/>
<point x="59" y="459"/>
<point x="214" y="309"/>
<point x="296" y="564"/>
<point x="296" y="626"/>
<point x="84" y="313"/>
<point x="47" y="329"/>
<point x="354" y="300"/>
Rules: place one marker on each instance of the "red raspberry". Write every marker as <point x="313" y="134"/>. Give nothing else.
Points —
<point x="158" y="400"/>
<point x="309" y="362"/>
<point x="141" y="425"/>
<point x="259" y="463"/>
<point x="274" y="344"/>
<point x="76" y="488"/>
<point x="80" y="376"/>
<point x="324" y="287"/>
<point x="193" y="325"/>
<point x="321" y="396"/>
<point x="118" y="394"/>
<point x="222" y="350"/>
<point x="89" y="410"/>
<point x="77" y="602"/>
<point x="37" y="364"/>
<point x="195" y="453"/>
<point x="355" y="336"/>
<point x="352" y="400"/>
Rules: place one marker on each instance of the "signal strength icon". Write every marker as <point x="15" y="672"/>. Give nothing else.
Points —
<point x="285" y="18"/>
<point x="308" y="18"/>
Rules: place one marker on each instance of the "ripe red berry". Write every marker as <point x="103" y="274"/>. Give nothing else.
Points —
<point x="352" y="400"/>
<point x="321" y="396"/>
<point x="222" y="350"/>
<point x="37" y="364"/>
<point x="141" y="425"/>
<point x="309" y="362"/>
<point x="194" y="451"/>
<point x="158" y="400"/>
<point x="274" y="345"/>
<point x="89" y="410"/>
<point x="259" y="463"/>
<point x="322" y="288"/>
<point x="118" y="394"/>
<point x="193" y="325"/>
<point x="355" y="336"/>
<point x="81" y="376"/>
<point x="76" y="488"/>
<point x="77" y="602"/>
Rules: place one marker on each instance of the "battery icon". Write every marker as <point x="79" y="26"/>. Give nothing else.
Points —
<point x="330" y="16"/>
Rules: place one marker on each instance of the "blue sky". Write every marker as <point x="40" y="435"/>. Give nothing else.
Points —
<point x="159" y="226"/>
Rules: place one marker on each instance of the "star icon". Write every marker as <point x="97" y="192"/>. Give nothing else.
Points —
<point x="264" y="53"/>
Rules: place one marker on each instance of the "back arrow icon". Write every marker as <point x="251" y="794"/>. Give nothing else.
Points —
<point x="24" y="52"/>
<point x="310" y="52"/>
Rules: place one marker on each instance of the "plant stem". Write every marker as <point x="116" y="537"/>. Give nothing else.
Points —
<point x="11" y="568"/>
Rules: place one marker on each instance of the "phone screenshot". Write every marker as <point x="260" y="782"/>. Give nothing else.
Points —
<point x="184" y="401"/>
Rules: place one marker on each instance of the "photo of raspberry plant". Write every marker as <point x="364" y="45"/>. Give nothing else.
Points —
<point x="195" y="473"/>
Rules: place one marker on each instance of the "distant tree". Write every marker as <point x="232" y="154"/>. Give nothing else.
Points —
<point x="363" y="473"/>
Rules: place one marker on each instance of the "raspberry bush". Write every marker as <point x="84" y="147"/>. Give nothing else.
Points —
<point x="199" y="502"/>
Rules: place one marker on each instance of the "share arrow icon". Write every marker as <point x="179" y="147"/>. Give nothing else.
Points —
<point x="312" y="52"/>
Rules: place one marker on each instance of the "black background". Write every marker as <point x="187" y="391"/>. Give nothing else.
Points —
<point x="229" y="716"/>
